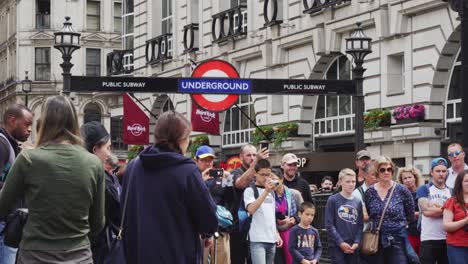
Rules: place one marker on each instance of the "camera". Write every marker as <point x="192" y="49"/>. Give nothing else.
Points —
<point x="216" y="173"/>
<point x="276" y="182"/>
<point x="264" y="144"/>
<point x="280" y="216"/>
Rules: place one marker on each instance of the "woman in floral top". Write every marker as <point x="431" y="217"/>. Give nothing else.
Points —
<point x="399" y="212"/>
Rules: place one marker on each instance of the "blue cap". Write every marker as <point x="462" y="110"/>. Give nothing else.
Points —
<point x="438" y="161"/>
<point x="204" y="152"/>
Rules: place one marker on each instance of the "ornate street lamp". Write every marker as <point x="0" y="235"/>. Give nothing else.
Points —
<point x="67" y="41"/>
<point x="26" y="86"/>
<point x="358" y="46"/>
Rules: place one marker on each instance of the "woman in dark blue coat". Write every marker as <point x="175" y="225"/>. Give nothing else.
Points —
<point x="169" y="208"/>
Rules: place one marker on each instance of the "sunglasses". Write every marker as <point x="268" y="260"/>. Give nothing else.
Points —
<point x="383" y="170"/>
<point x="455" y="153"/>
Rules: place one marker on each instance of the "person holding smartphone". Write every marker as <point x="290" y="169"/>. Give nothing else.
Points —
<point x="220" y="187"/>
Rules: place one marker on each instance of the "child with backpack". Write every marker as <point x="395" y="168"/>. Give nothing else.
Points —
<point x="263" y="235"/>
<point x="304" y="239"/>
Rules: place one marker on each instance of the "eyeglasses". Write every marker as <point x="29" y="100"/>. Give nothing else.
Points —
<point x="455" y="153"/>
<point x="383" y="170"/>
<point x="264" y="174"/>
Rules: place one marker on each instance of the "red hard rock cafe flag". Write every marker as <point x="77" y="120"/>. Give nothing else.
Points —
<point x="204" y="121"/>
<point x="135" y="122"/>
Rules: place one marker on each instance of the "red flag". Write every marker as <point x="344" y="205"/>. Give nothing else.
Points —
<point x="135" y="122"/>
<point x="204" y="121"/>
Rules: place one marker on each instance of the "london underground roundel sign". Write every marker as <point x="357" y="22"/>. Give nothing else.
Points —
<point x="215" y="69"/>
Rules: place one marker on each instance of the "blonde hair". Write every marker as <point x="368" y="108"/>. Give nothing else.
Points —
<point x="59" y="121"/>
<point x="346" y="172"/>
<point x="416" y="173"/>
<point x="381" y="161"/>
<point x="454" y="145"/>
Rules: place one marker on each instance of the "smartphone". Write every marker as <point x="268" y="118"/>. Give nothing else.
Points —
<point x="264" y="144"/>
<point x="216" y="173"/>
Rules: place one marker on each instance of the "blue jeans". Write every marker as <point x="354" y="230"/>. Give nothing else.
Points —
<point x="393" y="253"/>
<point x="339" y="257"/>
<point x="262" y="253"/>
<point x="457" y="255"/>
<point x="7" y="254"/>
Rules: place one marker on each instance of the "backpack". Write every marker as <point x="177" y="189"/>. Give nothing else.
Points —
<point x="245" y="219"/>
<point x="225" y="219"/>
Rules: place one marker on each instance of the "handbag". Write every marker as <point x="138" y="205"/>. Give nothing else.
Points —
<point x="370" y="238"/>
<point x="116" y="253"/>
<point x="14" y="224"/>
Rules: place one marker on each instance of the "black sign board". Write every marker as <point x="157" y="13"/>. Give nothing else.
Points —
<point x="212" y="85"/>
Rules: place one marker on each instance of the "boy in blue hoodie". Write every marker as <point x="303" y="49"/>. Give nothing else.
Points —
<point x="304" y="240"/>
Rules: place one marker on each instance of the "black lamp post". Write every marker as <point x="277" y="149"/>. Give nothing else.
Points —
<point x="358" y="46"/>
<point x="26" y="87"/>
<point x="67" y="41"/>
<point x="461" y="6"/>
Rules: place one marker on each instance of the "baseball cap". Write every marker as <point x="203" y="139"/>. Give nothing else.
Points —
<point x="289" y="158"/>
<point x="204" y="152"/>
<point x="438" y="161"/>
<point x="363" y="153"/>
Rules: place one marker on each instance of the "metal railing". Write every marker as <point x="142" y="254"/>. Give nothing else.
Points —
<point x="119" y="62"/>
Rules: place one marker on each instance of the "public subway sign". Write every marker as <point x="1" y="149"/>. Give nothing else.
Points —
<point x="196" y="85"/>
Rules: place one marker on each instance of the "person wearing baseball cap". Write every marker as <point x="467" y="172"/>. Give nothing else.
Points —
<point x="431" y="198"/>
<point x="204" y="157"/>
<point x="291" y="180"/>
<point x="363" y="158"/>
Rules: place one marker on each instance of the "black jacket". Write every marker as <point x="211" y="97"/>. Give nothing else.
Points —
<point x="302" y="186"/>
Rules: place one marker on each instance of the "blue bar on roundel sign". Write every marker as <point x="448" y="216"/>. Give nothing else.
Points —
<point x="215" y="86"/>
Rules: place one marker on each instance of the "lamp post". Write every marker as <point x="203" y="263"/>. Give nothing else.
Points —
<point x="67" y="41"/>
<point x="461" y="6"/>
<point x="358" y="46"/>
<point x="26" y="87"/>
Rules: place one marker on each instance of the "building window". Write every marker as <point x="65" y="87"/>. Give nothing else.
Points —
<point x="117" y="16"/>
<point x="93" y="15"/>
<point x="335" y="114"/>
<point x="237" y="128"/>
<point x="396" y="74"/>
<point x="93" y="62"/>
<point x="43" y="14"/>
<point x="92" y="112"/>
<point x="453" y="111"/>
<point x="127" y="36"/>
<point x="166" y="24"/>
<point x="117" y="133"/>
<point x="42" y="64"/>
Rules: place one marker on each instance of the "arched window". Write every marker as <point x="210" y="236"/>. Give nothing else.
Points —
<point x="237" y="128"/>
<point x="454" y="108"/>
<point x="92" y="112"/>
<point x="335" y="114"/>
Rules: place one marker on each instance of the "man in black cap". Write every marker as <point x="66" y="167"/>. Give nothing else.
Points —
<point x="97" y="141"/>
<point x="363" y="158"/>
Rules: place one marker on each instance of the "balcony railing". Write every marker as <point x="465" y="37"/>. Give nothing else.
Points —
<point x="334" y="126"/>
<point x="312" y="6"/>
<point x="237" y="138"/>
<point x="229" y="24"/>
<point x="191" y="37"/>
<point x="119" y="62"/>
<point x="159" y="49"/>
<point x="42" y="21"/>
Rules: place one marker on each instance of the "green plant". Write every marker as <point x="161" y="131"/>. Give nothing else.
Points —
<point x="283" y="131"/>
<point x="259" y="136"/>
<point x="377" y="118"/>
<point x="133" y="151"/>
<point x="196" y="142"/>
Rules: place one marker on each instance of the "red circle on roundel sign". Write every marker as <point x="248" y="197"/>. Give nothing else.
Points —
<point x="215" y="68"/>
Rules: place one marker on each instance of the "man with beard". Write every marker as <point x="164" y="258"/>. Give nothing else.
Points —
<point x="289" y="166"/>
<point x="243" y="177"/>
<point x="17" y="121"/>
<point x="363" y="158"/>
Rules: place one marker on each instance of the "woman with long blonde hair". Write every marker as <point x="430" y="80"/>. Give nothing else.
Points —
<point x="63" y="187"/>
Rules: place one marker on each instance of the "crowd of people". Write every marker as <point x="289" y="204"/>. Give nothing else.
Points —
<point x="167" y="207"/>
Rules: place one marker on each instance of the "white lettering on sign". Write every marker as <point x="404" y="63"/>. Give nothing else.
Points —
<point x="206" y="85"/>
<point x="304" y="87"/>
<point x="301" y="162"/>
<point x="136" y="129"/>
<point x="124" y="84"/>
<point x="206" y="116"/>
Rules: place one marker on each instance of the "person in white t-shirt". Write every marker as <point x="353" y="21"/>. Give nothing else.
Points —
<point x="456" y="155"/>
<point x="431" y="198"/>
<point x="263" y="235"/>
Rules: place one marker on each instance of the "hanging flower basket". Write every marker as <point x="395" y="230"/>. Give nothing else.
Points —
<point x="406" y="114"/>
<point x="377" y="118"/>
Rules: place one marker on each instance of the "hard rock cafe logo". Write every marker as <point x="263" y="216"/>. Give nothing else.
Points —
<point x="206" y="116"/>
<point x="136" y="129"/>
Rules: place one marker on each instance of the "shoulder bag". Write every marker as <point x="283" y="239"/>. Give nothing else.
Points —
<point x="116" y="254"/>
<point x="370" y="238"/>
